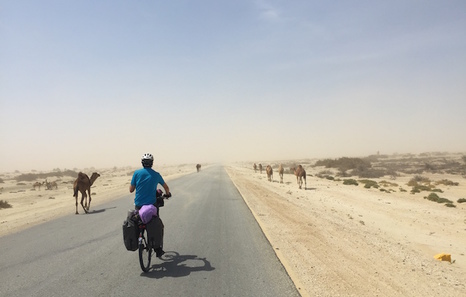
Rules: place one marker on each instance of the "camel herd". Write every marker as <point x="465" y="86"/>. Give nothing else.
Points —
<point x="48" y="185"/>
<point x="299" y="172"/>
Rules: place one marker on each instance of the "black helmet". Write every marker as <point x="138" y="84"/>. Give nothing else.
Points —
<point x="147" y="160"/>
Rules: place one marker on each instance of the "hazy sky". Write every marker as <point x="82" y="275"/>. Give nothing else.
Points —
<point x="98" y="83"/>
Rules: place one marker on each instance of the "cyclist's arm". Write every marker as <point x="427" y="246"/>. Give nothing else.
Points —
<point x="167" y="189"/>
<point x="132" y="188"/>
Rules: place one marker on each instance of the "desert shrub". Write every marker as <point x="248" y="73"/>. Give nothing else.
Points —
<point x="403" y="190"/>
<point x="343" y="173"/>
<point x="461" y="200"/>
<point x="418" y="179"/>
<point x="388" y="184"/>
<point x="384" y="190"/>
<point x="420" y="188"/>
<point x="344" y="163"/>
<point x="350" y="181"/>
<point x="369" y="183"/>
<point x="4" y="204"/>
<point x="365" y="172"/>
<point x="325" y="172"/>
<point x="450" y="205"/>
<point x="1" y="181"/>
<point x="33" y="176"/>
<point x="446" y="182"/>
<point x="434" y="197"/>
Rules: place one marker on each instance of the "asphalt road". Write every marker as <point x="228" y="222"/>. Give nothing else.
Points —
<point x="214" y="248"/>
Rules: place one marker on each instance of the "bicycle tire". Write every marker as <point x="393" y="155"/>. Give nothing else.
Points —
<point x="145" y="255"/>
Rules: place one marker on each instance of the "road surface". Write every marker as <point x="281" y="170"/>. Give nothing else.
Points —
<point x="214" y="248"/>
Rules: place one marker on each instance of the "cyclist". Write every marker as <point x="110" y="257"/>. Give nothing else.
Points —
<point x="145" y="182"/>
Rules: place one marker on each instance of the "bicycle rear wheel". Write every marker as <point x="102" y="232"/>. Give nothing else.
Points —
<point x="145" y="254"/>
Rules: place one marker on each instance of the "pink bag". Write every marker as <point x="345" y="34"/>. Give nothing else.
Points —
<point x="147" y="212"/>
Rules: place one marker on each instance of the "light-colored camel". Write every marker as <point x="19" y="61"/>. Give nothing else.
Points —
<point x="82" y="184"/>
<point x="50" y="185"/>
<point x="300" y="175"/>
<point x="260" y="168"/>
<point x="37" y="185"/>
<point x="269" y="171"/>
<point x="281" y="170"/>
<point x="198" y="167"/>
<point x="255" y="168"/>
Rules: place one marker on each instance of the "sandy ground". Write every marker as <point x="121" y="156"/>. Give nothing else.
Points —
<point x="333" y="239"/>
<point x="34" y="206"/>
<point x="346" y="240"/>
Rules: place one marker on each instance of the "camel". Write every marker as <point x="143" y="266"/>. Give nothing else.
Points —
<point x="50" y="185"/>
<point x="280" y="172"/>
<point x="198" y="167"/>
<point x="260" y="168"/>
<point x="82" y="184"/>
<point x="255" y="168"/>
<point x="269" y="171"/>
<point x="300" y="175"/>
<point x="37" y="185"/>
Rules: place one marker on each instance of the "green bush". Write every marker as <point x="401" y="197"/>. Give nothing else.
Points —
<point x="461" y="200"/>
<point x="350" y="181"/>
<point x="434" y="197"/>
<point x="450" y="205"/>
<point x="420" y="188"/>
<point x="369" y="183"/>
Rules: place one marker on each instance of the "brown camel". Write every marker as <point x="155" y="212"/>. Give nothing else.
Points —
<point x="280" y="172"/>
<point x="82" y="184"/>
<point x="50" y="185"/>
<point x="198" y="167"/>
<point x="260" y="168"/>
<point x="300" y="175"/>
<point x="269" y="171"/>
<point x="255" y="168"/>
<point x="37" y="185"/>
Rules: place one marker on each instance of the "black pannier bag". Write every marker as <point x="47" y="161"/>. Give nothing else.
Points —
<point x="131" y="233"/>
<point x="155" y="232"/>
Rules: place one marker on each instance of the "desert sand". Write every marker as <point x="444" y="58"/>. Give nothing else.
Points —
<point x="333" y="239"/>
<point x="33" y="206"/>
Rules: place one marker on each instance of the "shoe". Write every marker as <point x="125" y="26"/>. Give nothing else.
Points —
<point x="159" y="252"/>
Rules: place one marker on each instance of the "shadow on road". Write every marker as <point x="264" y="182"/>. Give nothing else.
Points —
<point x="99" y="210"/>
<point x="175" y="265"/>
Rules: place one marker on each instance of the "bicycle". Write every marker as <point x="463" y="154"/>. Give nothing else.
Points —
<point x="144" y="246"/>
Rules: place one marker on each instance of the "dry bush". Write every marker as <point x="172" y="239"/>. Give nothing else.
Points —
<point x="446" y="182"/>
<point x="4" y="204"/>
<point x="34" y="176"/>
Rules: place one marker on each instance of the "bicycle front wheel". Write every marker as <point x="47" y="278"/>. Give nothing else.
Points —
<point x="145" y="254"/>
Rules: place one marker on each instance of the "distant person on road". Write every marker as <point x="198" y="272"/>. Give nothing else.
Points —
<point x="145" y="182"/>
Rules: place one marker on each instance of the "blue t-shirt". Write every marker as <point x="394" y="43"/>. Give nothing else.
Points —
<point x="146" y="180"/>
